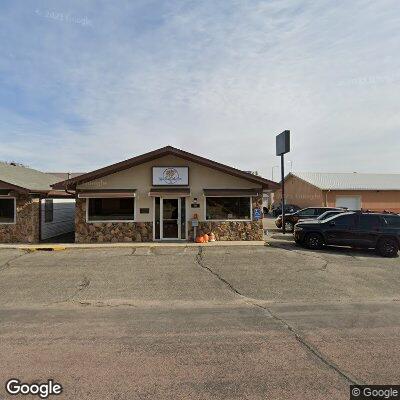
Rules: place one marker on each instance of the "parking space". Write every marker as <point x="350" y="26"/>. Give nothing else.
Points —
<point x="236" y="322"/>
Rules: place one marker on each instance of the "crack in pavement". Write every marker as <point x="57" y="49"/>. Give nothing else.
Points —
<point x="104" y="304"/>
<point x="7" y="264"/>
<point x="323" y="268"/>
<point x="82" y="285"/>
<point x="307" y="254"/>
<point x="308" y="346"/>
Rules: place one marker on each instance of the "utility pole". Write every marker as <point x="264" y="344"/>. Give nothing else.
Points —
<point x="283" y="147"/>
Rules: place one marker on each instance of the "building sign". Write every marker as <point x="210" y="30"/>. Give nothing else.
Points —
<point x="283" y="143"/>
<point x="170" y="176"/>
<point x="257" y="214"/>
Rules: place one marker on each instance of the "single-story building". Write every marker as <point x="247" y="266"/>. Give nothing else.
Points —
<point x="167" y="194"/>
<point x="30" y="209"/>
<point x="356" y="191"/>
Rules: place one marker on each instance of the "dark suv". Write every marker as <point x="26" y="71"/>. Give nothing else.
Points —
<point x="356" y="229"/>
<point x="289" y="209"/>
<point x="305" y="213"/>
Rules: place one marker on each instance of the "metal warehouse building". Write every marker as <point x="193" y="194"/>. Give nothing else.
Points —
<point x="377" y="192"/>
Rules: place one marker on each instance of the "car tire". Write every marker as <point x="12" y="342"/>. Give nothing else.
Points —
<point x="289" y="226"/>
<point x="388" y="247"/>
<point x="314" y="241"/>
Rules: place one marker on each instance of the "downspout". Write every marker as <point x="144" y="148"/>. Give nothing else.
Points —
<point x="40" y="219"/>
<point x="326" y="198"/>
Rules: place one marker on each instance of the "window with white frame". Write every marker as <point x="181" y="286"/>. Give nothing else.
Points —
<point x="48" y="210"/>
<point x="111" y="209"/>
<point x="7" y="211"/>
<point x="227" y="208"/>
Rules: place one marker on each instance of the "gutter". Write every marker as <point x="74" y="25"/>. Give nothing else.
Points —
<point x="70" y="193"/>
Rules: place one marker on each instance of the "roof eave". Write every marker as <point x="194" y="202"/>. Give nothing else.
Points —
<point x="15" y="187"/>
<point x="122" y="165"/>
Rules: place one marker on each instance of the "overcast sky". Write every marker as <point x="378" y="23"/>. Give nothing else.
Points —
<point x="87" y="83"/>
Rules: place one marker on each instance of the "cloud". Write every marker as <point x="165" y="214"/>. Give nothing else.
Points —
<point x="217" y="78"/>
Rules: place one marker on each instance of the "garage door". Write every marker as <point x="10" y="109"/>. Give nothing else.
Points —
<point x="350" y="202"/>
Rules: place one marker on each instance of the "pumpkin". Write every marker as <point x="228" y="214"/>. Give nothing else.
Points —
<point x="206" y="238"/>
<point x="199" y="239"/>
<point x="212" y="237"/>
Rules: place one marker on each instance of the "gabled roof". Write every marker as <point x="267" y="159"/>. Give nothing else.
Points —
<point x="152" y="155"/>
<point x="350" y="181"/>
<point x="26" y="178"/>
<point x="65" y="175"/>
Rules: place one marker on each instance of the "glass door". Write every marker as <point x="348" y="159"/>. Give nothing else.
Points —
<point x="170" y="219"/>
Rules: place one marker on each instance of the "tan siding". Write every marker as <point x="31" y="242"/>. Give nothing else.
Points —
<point x="139" y="178"/>
<point x="300" y="193"/>
<point x="388" y="200"/>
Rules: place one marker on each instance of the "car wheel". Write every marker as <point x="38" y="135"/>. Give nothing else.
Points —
<point x="314" y="241"/>
<point x="388" y="247"/>
<point x="289" y="227"/>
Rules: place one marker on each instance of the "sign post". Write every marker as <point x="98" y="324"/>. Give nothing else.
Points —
<point x="283" y="147"/>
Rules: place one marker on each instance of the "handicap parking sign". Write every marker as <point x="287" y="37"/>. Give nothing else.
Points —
<point x="257" y="214"/>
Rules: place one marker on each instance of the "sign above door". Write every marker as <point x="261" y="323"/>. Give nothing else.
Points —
<point x="170" y="176"/>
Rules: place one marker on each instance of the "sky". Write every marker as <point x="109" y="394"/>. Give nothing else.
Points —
<point x="84" y="84"/>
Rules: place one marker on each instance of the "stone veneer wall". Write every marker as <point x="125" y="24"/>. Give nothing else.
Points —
<point x="26" y="228"/>
<point x="233" y="230"/>
<point x="103" y="232"/>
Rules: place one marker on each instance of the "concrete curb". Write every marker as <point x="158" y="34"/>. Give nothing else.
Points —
<point x="66" y="246"/>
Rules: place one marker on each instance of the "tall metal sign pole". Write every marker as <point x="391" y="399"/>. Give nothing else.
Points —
<point x="283" y="147"/>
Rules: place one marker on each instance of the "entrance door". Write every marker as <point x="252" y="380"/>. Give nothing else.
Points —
<point x="170" y="219"/>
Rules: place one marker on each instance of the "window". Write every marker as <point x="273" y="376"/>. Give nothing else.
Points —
<point x="369" y="222"/>
<point x="319" y="211"/>
<point x="344" y="220"/>
<point x="110" y="209"/>
<point x="7" y="211"/>
<point x="48" y="210"/>
<point x="392" y="221"/>
<point x="307" y="212"/>
<point x="224" y="208"/>
<point x="183" y="218"/>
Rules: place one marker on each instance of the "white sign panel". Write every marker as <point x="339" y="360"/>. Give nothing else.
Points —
<point x="170" y="176"/>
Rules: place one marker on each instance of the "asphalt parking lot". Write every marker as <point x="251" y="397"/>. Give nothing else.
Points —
<point x="255" y="322"/>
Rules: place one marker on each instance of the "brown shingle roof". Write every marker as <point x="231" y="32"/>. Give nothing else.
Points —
<point x="26" y="178"/>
